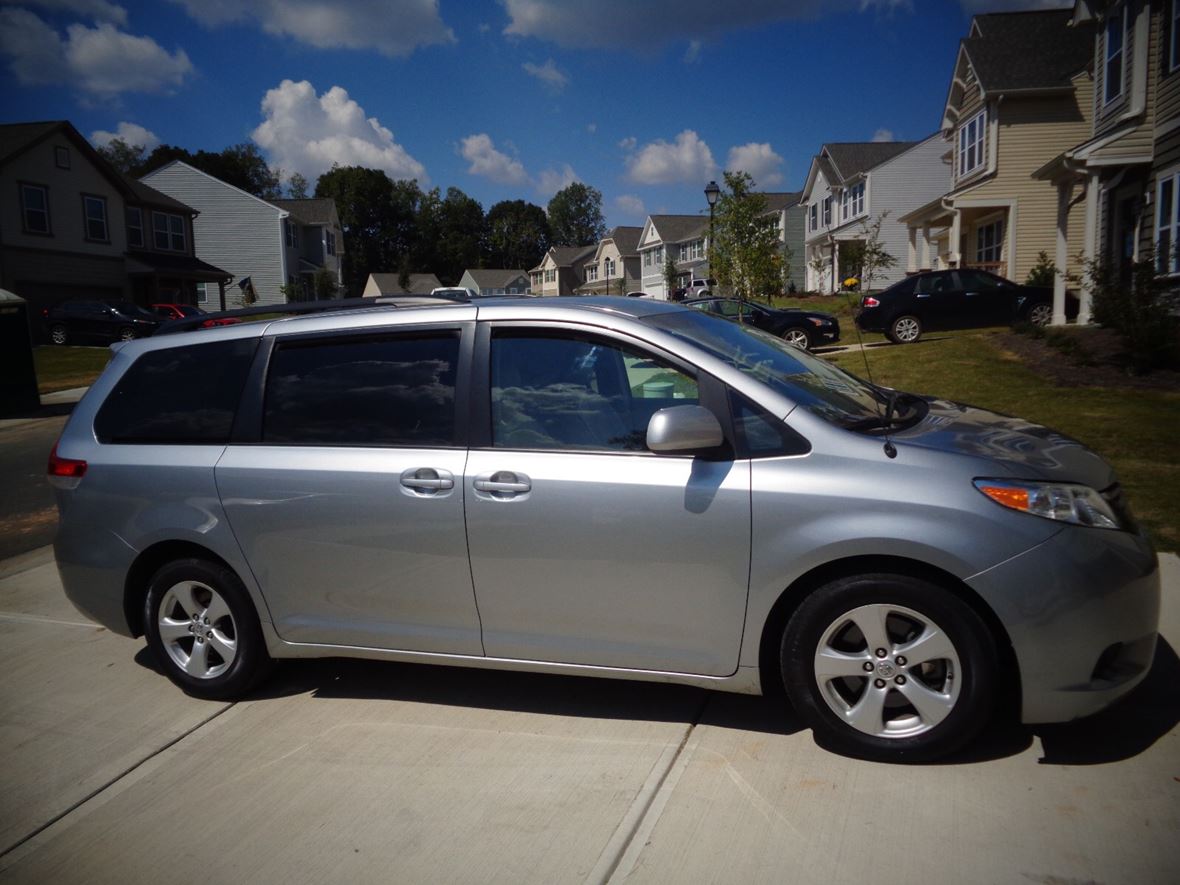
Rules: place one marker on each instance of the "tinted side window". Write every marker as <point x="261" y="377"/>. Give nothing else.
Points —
<point x="760" y="434"/>
<point x="182" y="395"/>
<point x="935" y="283"/>
<point x="387" y="390"/>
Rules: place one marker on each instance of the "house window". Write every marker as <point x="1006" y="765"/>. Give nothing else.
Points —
<point x="971" y="143"/>
<point x="827" y="211"/>
<point x="289" y="228"/>
<point x="34" y="204"/>
<point x="202" y="293"/>
<point x="812" y="223"/>
<point x="61" y="157"/>
<point x="647" y="259"/>
<point x="591" y="273"/>
<point x="608" y="268"/>
<point x="1116" y="32"/>
<point x="168" y="232"/>
<point x="330" y="242"/>
<point x="844" y="202"/>
<point x="657" y="256"/>
<point x="95" y="210"/>
<point x="134" y="217"/>
<point x="692" y="251"/>
<point x="551" y="275"/>
<point x="858" y="199"/>
<point x="1167" y="223"/>
<point x="989" y="243"/>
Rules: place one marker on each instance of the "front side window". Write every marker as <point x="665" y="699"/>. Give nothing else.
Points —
<point x="552" y="390"/>
<point x="381" y="390"/>
<point x="1115" y="37"/>
<point x="34" y="200"/>
<point x="95" y="209"/>
<point x="178" y="396"/>
<point x="1167" y="221"/>
<point x="168" y="232"/>
<point x="971" y="136"/>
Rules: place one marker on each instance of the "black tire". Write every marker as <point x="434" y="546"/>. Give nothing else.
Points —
<point x="58" y="334"/>
<point x="126" y="334"/>
<point x="797" y="336"/>
<point x="960" y="688"/>
<point x="233" y="625"/>
<point x="906" y="329"/>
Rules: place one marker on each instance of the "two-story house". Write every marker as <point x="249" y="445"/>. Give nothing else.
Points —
<point x="278" y="249"/>
<point x="496" y="281"/>
<point x="1125" y="170"/>
<point x="560" y="271"/>
<point x="682" y="238"/>
<point x="789" y="219"/>
<point x="853" y="185"/>
<point x="614" y="267"/>
<point x="1019" y="93"/>
<point x="71" y="226"/>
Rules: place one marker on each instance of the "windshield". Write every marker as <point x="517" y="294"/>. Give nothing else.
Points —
<point x="189" y="310"/>
<point x="129" y="309"/>
<point x="816" y="385"/>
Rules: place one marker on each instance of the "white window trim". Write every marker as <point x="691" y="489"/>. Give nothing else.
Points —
<point x="136" y="211"/>
<point x="1123" y="67"/>
<point x="24" y="210"/>
<point x="202" y="293"/>
<point x="87" y="199"/>
<point x="981" y="128"/>
<point x="998" y="246"/>
<point x="169" y="232"/>
<point x="1171" y="174"/>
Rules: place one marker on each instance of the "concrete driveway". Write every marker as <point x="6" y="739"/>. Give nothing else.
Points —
<point x="375" y="772"/>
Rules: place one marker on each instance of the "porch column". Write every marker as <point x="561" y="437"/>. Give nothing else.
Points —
<point x="926" y="265"/>
<point x="1090" y="249"/>
<point x="836" y="281"/>
<point x="912" y="250"/>
<point x="1061" y="259"/>
<point x="954" y="250"/>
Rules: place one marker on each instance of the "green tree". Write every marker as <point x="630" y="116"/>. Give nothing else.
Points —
<point x="241" y="165"/>
<point x="745" y="254"/>
<point x="873" y="256"/>
<point x="575" y="216"/>
<point x="324" y="285"/>
<point x="297" y="187"/>
<point x="365" y="200"/>
<point x="127" y="158"/>
<point x="669" y="273"/>
<point x="517" y="235"/>
<point x="461" y="233"/>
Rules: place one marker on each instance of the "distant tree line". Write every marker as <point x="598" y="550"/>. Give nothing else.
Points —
<point x="395" y="226"/>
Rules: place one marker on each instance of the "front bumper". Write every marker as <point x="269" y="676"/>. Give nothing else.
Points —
<point x="1082" y="612"/>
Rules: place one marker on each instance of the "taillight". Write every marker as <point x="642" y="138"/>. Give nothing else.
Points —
<point x="65" y="473"/>
<point x="870" y="301"/>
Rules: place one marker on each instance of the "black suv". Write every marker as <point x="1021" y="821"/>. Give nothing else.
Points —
<point x="73" y="322"/>
<point x="951" y="299"/>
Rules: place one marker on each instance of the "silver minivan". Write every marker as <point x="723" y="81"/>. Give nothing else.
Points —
<point x="605" y="487"/>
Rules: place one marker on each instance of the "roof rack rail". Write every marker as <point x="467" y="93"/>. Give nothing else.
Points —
<point x="297" y="308"/>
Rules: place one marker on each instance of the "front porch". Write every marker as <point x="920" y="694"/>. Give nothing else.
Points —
<point x="944" y="235"/>
<point x="830" y="262"/>
<point x="175" y="279"/>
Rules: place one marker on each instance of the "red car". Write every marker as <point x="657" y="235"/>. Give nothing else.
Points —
<point x="182" y="311"/>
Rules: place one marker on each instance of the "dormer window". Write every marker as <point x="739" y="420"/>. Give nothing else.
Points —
<point x="971" y="143"/>
<point x="1115" y="39"/>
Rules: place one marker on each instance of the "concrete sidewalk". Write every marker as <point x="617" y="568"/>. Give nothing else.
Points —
<point x="375" y="772"/>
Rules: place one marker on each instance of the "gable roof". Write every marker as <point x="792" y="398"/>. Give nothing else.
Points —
<point x="494" y="277"/>
<point x="283" y="213"/>
<point x="777" y="202"/>
<point x="419" y="283"/>
<point x="677" y="228"/>
<point x="16" y="138"/>
<point x="567" y="256"/>
<point x="626" y="239"/>
<point x="1020" y="51"/>
<point x="315" y="210"/>
<point x="853" y="158"/>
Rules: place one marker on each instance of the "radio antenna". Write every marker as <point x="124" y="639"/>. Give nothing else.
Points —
<point x="886" y="417"/>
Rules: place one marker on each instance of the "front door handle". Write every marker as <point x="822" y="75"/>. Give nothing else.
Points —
<point x="503" y="483"/>
<point x="427" y="480"/>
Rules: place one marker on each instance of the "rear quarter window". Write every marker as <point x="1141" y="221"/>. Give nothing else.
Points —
<point x="179" y="395"/>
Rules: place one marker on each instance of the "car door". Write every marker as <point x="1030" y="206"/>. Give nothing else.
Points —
<point x="345" y="490"/>
<point x="586" y="548"/>
<point x="939" y="301"/>
<point x="988" y="300"/>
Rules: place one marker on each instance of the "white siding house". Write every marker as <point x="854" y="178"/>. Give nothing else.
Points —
<point x="235" y="230"/>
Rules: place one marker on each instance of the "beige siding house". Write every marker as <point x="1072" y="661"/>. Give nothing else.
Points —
<point x="560" y="271"/>
<point x="614" y="267"/>
<point x="1021" y="91"/>
<point x="389" y="284"/>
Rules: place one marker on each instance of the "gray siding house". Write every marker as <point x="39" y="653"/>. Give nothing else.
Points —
<point x="789" y="219"/>
<point x="313" y="239"/>
<point x="496" y="281"/>
<point x="683" y="238"/>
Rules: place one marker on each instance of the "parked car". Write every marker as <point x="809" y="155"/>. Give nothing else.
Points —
<point x="458" y="293"/>
<point x="601" y="487"/>
<point x="182" y="311"/>
<point x="74" y="322"/>
<point x="698" y="288"/>
<point x="802" y="328"/>
<point x="951" y="299"/>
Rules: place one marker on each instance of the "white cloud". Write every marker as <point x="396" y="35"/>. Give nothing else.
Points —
<point x="392" y="27"/>
<point x="129" y="133"/>
<point x="688" y="159"/>
<point x="102" y="61"/>
<point x="630" y="204"/>
<point x="487" y="162"/>
<point x="654" y="23"/>
<point x="591" y="128"/>
<point x="550" y="181"/>
<point x="548" y="74"/>
<point x="883" y="135"/>
<point x="759" y="160"/>
<point x="305" y="133"/>
<point x="693" y="53"/>
<point x="629" y="143"/>
<point x="96" y="10"/>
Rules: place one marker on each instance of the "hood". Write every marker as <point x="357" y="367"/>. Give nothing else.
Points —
<point x="1022" y="449"/>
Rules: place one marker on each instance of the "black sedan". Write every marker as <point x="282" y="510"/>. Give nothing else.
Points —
<point x="951" y="299"/>
<point x="73" y="322"/>
<point x="803" y="328"/>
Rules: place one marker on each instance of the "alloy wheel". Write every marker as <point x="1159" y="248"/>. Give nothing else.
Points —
<point x="907" y="330"/>
<point x="1040" y="314"/>
<point x="197" y="629"/>
<point x="796" y="337"/>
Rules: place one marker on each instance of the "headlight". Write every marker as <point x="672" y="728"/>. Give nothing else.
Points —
<point x="1064" y="502"/>
<point x="816" y="321"/>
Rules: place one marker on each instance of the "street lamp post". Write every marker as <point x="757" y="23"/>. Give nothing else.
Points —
<point x="712" y="192"/>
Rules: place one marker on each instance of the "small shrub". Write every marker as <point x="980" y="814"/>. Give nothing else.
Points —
<point x="1138" y="311"/>
<point x="1043" y="273"/>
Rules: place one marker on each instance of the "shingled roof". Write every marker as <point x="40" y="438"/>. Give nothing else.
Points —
<point x="317" y="210"/>
<point x="852" y="158"/>
<point x="626" y="239"/>
<point x="677" y="228"/>
<point x="494" y="277"/>
<point x="1012" y="51"/>
<point x="777" y="202"/>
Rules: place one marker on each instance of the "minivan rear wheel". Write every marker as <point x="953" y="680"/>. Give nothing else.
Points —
<point x="890" y="667"/>
<point x="203" y="629"/>
<point x="905" y="330"/>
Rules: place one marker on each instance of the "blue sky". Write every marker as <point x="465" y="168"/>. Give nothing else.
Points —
<point x="646" y="100"/>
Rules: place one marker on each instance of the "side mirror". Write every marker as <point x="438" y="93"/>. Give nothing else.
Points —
<point x="683" y="429"/>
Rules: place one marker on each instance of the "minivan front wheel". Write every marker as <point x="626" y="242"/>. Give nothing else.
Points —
<point x="890" y="667"/>
<point x="905" y="330"/>
<point x="202" y="628"/>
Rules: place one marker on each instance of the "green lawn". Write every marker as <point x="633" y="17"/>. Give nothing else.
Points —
<point x="1135" y="429"/>
<point x="61" y="368"/>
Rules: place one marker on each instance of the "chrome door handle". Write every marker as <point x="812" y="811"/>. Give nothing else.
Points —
<point x="427" y="479"/>
<point x="504" y="482"/>
<point x="922" y="295"/>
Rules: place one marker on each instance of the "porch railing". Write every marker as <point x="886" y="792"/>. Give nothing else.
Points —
<point x="1000" y="268"/>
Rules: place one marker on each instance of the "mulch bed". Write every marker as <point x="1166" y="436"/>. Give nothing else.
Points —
<point x="1099" y="360"/>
